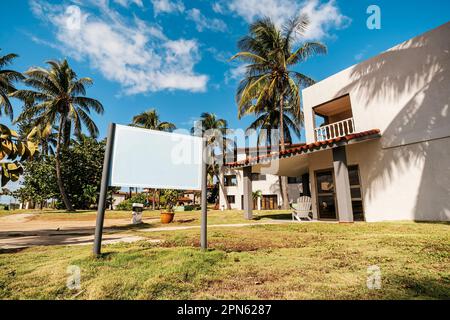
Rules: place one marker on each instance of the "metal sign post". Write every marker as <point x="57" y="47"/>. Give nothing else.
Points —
<point x="104" y="189"/>
<point x="204" y="202"/>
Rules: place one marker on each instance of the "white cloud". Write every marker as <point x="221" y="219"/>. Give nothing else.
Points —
<point x="361" y="54"/>
<point x="202" y="23"/>
<point x="323" y="15"/>
<point x="138" y="56"/>
<point x="218" y="7"/>
<point x="235" y="73"/>
<point x="167" y="6"/>
<point x="250" y="10"/>
<point x="126" y="3"/>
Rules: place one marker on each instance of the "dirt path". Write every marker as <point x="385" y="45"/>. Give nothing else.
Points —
<point x="27" y="230"/>
<point x="22" y="230"/>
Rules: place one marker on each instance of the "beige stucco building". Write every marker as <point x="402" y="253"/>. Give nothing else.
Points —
<point x="270" y="198"/>
<point x="377" y="137"/>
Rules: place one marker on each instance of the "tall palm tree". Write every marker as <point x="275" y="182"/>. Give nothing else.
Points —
<point x="268" y="119"/>
<point x="270" y="56"/>
<point x="150" y="120"/>
<point x="60" y="98"/>
<point x="7" y="79"/>
<point x="209" y="121"/>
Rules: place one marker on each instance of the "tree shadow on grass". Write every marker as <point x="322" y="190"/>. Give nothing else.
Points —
<point x="423" y="288"/>
<point x="279" y="216"/>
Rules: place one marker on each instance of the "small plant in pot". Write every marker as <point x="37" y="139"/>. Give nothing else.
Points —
<point x="170" y="200"/>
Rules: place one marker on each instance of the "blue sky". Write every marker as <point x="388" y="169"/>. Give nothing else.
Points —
<point x="172" y="54"/>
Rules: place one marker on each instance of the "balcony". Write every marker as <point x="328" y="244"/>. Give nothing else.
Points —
<point x="333" y="119"/>
<point x="335" y="130"/>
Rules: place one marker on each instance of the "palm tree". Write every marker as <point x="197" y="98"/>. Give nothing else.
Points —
<point x="60" y="98"/>
<point x="270" y="57"/>
<point x="209" y="123"/>
<point x="268" y="119"/>
<point x="150" y="120"/>
<point x="7" y="79"/>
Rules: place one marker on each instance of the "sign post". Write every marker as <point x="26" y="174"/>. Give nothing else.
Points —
<point x="204" y="202"/>
<point x="137" y="157"/>
<point x="104" y="189"/>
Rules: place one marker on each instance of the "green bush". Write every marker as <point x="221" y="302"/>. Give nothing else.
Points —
<point x="127" y="205"/>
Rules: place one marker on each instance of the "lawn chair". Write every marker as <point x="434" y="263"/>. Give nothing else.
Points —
<point x="301" y="209"/>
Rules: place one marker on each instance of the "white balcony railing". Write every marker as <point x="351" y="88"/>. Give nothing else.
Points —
<point x="335" y="130"/>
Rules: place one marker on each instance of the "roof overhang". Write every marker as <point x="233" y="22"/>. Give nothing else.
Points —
<point x="295" y="159"/>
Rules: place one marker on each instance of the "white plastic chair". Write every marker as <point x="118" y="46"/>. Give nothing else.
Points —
<point x="302" y="209"/>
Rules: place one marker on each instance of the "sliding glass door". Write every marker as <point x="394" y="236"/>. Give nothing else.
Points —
<point x="326" y="196"/>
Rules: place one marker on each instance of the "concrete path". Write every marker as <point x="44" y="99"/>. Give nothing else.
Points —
<point x="233" y="225"/>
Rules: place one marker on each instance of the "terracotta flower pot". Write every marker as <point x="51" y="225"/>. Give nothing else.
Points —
<point x="167" y="217"/>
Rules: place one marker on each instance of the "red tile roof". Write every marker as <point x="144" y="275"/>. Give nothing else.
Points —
<point x="302" y="149"/>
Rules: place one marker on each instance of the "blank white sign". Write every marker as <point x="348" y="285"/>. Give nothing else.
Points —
<point x="154" y="159"/>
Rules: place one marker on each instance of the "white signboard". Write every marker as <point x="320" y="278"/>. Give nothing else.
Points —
<point x="154" y="159"/>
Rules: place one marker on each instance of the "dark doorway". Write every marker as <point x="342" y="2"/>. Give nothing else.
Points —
<point x="326" y="195"/>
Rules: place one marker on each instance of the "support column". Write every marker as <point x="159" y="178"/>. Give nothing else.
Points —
<point x="248" y="197"/>
<point x="305" y="185"/>
<point x="343" y="195"/>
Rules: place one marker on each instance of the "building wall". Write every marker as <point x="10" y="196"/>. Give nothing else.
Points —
<point x="405" y="93"/>
<point x="270" y="186"/>
<point x="402" y="183"/>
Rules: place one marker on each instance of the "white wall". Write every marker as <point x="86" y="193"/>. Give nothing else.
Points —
<point x="404" y="92"/>
<point x="270" y="186"/>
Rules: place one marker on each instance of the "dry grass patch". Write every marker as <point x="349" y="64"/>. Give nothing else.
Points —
<point x="295" y="261"/>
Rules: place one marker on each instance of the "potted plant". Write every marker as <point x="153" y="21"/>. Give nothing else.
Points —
<point x="170" y="200"/>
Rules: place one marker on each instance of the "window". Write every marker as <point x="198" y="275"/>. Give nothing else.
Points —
<point x="258" y="177"/>
<point x="294" y="180"/>
<point x="269" y="202"/>
<point x="230" y="181"/>
<point x="355" y="190"/>
<point x="231" y="199"/>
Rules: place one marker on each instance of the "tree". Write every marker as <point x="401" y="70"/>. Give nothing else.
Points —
<point x="270" y="81"/>
<point x="210" y="125"/>
<point x="44" y="137"/>
<point x="268" y="119"/>
<point x="7" y="79"/>
<point x="39" y="181"/>
<point x="150" y="120"/>
<point x="59" y="100"/>
<point x="13" y="149"/>
<point x="13" y="152"/>
<point x="82" y="165"/>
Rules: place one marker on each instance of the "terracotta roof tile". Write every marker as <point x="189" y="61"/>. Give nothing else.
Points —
<point x="302" y="148"/>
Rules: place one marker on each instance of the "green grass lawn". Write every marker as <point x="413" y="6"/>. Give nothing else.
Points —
<point x="294" y="261"/>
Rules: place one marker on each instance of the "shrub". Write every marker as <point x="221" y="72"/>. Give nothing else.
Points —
<point x="127" y="205"/>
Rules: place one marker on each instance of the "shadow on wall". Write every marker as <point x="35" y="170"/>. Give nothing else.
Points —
<point x="415" y="75"/>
